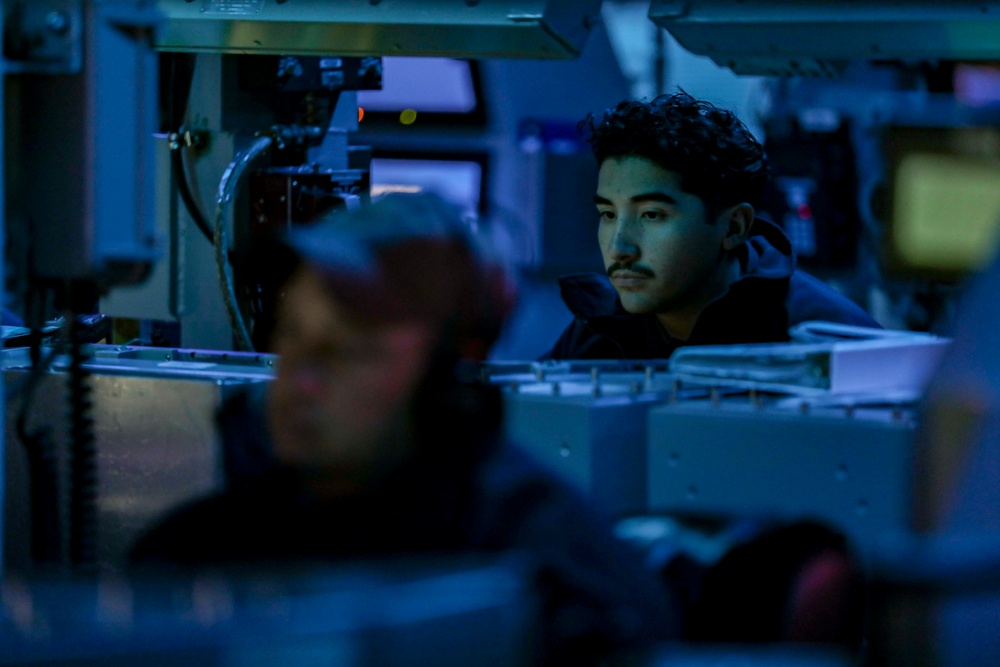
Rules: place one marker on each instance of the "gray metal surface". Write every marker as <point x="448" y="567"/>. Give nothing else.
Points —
<point x="88" y="136"/>
<point x="586" y="422"/>
<point x="852" y="468"/>
<point x="453" y="28"/>
<point x="596" y="444"/>
<point x="815" y="37"/>
<point x="155" y="433"/>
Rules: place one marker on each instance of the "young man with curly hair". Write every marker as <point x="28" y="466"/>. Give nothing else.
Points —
<point x="687" y="259"/>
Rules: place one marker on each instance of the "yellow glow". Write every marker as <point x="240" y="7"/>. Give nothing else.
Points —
<point x="947" y="211"/>
<point x="407" y="116"/>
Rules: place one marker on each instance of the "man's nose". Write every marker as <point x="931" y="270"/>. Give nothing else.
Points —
<point x="623" y="242"/>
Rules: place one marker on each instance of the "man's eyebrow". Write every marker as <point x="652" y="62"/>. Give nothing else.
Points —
<point x="661" y="197"/>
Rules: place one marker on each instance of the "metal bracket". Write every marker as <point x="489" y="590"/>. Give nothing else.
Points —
<point x="43" y="37"/>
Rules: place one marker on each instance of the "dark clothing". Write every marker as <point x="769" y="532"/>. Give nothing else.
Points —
<point x="475" y="494"/>
<point x="770" y="296"/>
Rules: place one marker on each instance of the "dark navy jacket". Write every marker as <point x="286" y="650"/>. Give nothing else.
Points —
<point x="770" y="296"/>
<point x="470" y="493"/>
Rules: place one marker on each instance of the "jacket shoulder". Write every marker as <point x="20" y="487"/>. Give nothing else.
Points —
<point x="588" y="295"/>
<point x="809" y="298"/>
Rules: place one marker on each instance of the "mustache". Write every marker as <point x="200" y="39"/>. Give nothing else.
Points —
<point x="634" y="268"/>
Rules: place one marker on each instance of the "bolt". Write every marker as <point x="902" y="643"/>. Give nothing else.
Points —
<point x="57" y="22"/>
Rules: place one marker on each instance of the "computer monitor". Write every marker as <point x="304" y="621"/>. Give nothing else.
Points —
<point x="425" y="91"/>
<point x="944" y="207"/>
<point x="458" y="177"/>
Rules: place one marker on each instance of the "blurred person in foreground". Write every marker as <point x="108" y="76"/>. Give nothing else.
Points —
<point x="377" y="439"/>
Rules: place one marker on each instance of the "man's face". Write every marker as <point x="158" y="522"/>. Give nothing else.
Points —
<point x="342" y="384"/>
<point x="660" y="252"/>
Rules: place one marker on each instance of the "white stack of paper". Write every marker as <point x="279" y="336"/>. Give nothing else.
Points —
<point x="839" y="359"/>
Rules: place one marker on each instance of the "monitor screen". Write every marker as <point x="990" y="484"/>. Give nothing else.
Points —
<point x="458" y="179"/>
<point x="944" y="218"/>
<point x="424" y="90"/>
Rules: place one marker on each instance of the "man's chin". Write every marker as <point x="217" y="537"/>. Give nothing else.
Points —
<point x="636" y="306"/>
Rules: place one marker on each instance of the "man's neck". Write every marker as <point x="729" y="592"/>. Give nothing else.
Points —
<point x="679" y="322"/>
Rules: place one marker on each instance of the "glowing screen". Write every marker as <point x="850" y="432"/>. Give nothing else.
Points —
<point x="946" y="211"/>
<point x="434" y="85"/>
<point x="458" y="181"/>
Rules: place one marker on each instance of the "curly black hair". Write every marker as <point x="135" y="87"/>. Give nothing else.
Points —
<point x="713" y="152"/>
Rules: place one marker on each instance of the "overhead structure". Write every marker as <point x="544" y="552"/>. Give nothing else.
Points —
<point x="818" y="37"/>
<point x="447" y="28"/>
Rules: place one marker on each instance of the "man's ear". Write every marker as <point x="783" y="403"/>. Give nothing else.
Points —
<point x="738" y="219"/>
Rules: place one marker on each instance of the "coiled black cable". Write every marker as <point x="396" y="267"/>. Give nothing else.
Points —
<point x="83" y="457"/>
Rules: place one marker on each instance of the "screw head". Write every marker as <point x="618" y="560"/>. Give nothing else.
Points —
<point x="57" y="22"/>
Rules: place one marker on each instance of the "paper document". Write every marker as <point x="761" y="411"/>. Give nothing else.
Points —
<point x="843" y="362"/>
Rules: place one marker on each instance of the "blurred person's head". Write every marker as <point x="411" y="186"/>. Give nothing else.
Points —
<point x="678" y="179"/>
<point x="384" y="308"/>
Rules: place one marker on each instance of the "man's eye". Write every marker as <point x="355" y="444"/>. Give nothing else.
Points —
<point x="606" y="215"/>
<point x="654" y="215"/>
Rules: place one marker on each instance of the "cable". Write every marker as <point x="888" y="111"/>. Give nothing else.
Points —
<point x="83" y="457"/>
<point x="179" y="92"/>
<point x="180" y="72"/>
<point x="223" y="218"/>
<point x="184" y="189"/>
